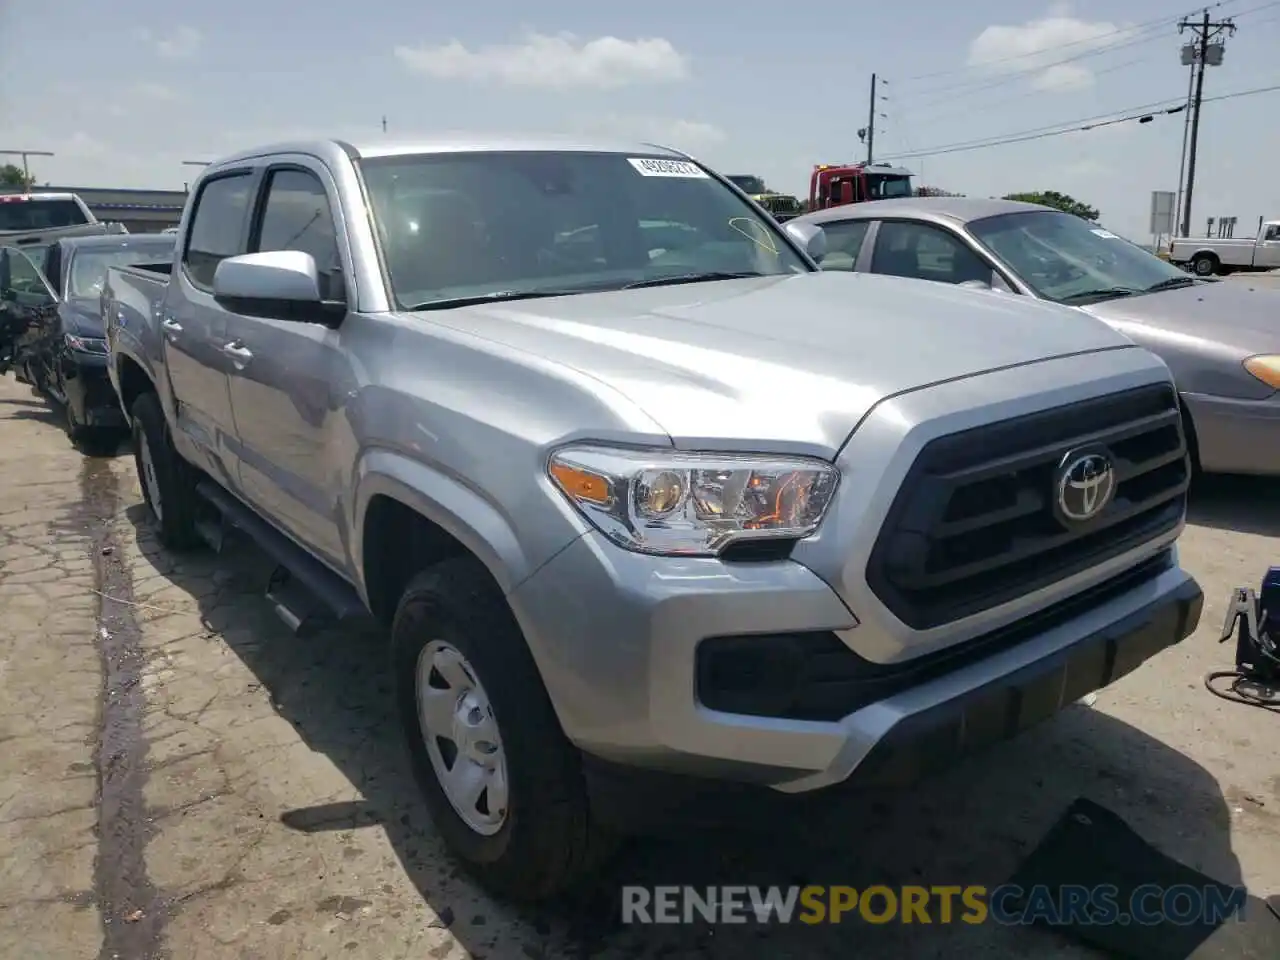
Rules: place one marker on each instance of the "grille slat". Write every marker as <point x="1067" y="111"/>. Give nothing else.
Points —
<point x="974" y="526"/>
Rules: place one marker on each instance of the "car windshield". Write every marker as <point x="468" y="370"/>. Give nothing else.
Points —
<point x="506" y="225"/>
<point x="881" y="187"/>
<point x="1065" y="258"/>
<point x="34" y="213"/>
<point x="89" y="265"/>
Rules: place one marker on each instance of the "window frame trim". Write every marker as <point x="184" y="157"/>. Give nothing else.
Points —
<point x="959" y="233"/>
<point x="254" y="175"/>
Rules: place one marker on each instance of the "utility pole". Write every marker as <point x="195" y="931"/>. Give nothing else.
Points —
<point x="26" y="170"/>
<point x="384" y="124"/>
<point x="871" y="121"/>
<point x="1207" y="54"/>
<point x="1188" y="57"/>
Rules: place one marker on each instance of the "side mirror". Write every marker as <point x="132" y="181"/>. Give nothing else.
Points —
<point x="811" y="238"/>
<point x="277" y="283"/>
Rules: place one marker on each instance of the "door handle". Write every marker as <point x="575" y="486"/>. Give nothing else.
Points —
<point x="238" y="352"/>
<point x="171" y="326"/>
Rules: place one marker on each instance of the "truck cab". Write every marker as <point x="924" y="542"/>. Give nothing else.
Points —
<point x="834" y="185"/>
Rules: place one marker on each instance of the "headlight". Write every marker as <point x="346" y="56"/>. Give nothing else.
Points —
<point x="682" y="504"/>
<point x="1266" y="368"/>
<point x="86" y="344"/>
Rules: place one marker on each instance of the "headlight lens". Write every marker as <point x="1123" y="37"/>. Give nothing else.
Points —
<point x="86" y="344"/>
<point x="1266" y="368"/>
<point x="678" y="504"/>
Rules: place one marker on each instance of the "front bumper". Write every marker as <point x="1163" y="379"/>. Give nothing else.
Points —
<point x="89" y="392"/>
<point x="1236" y="436"/>
<point x="616" y="637"/>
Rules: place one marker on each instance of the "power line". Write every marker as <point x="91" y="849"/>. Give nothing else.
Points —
<point x="1083" y="124"/>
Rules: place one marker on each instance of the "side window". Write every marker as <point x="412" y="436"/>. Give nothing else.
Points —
<point x="1273" y="232"/>
<point x="844" y="241"/>
<point x="217" y="228"/>
<point x="297" y="216"/>
<point x="925" y="252"/>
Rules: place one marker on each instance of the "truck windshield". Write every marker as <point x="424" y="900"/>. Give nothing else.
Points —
<point x="882" y="187"/>
<point x="748" y="184"/>
<point x="1064" y="258"/>
<point x="34" y="213"/>
<point x="88" y="269"/>
<point x="507" y="225"/>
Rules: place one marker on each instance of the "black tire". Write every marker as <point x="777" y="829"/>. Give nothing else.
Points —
<point x="94" y="441"/>
<point x="1204" y="265"/>
<point x="547" y="845"/>
<point x="175" y="481"/>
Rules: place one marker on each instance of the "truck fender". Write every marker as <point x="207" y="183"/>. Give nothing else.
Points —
<point x="461" y="511"/>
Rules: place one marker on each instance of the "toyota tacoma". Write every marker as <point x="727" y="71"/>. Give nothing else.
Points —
<point x="640" y="505"/>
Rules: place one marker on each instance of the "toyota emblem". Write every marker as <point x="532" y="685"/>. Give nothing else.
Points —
<point x="1086" y="485"/>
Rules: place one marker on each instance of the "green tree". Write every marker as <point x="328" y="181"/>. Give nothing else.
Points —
<point x="1060" y="201"/>
<point x="927" y="191"/>
<point x="12" y="176"/>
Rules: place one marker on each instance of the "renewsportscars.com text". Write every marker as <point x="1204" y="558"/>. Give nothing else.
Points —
<point x="1007" y="904"/>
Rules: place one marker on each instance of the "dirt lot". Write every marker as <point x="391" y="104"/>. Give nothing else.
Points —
<point x="181" y="778"/>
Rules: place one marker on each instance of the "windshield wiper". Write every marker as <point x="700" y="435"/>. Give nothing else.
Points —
<point x="692" y="278"/>
<point x="1173" y="283"/>
<point x="497" y="296"/>
<point x="1102" y="293"/>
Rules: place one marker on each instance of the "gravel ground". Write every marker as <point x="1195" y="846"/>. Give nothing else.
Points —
<point x="180" y="777"/>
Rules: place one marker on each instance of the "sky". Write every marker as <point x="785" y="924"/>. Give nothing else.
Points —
<point x="123" y="93"/>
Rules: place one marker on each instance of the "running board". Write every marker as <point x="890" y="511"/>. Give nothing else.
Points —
<point x="304" y="593"/>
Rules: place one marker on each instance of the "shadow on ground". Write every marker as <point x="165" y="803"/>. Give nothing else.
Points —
<point x="1241" y="504"/>
<point x="970" y="826"/>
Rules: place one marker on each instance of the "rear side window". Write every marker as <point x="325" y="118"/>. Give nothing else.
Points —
<point x="217" y="228"/>
<point x="297" y="216"/>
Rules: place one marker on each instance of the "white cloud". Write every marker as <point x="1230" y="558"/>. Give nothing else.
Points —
<point x="154" y="91"/>
<point x="673" y="132"/>
<point x="182" y="44"/>
<point x="558" y="61"/>
<point x="1035" y="47"/>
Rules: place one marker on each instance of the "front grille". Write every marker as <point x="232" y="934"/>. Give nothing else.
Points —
<point x="974" y="526"/>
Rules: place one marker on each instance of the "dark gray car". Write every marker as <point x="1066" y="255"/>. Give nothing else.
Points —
<point x="1221" y="340"/>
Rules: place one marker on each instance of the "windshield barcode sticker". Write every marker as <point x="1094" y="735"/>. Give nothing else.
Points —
<point x="1104" y="234"/>
<point x="653" y="167"/>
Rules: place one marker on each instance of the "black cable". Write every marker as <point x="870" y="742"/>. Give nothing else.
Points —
<point x="1064" y="128"/>
<point x="1265" y="698"/>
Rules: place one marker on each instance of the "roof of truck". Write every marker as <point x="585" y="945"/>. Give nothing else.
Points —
<point x="17" y="193"/>
<point x="454" y="143"/>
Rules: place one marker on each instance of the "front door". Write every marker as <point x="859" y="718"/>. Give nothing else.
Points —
<point x="193" y="325"/>
<point x="287" y="378"/>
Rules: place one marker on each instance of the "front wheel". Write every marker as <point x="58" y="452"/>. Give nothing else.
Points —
<point x="502" y="783"/>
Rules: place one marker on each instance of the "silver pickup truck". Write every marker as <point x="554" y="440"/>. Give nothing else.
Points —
<point x="1206" y="256"/>
<point x="648" y="503"/>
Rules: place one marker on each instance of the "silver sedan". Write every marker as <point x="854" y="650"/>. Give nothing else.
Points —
<point x="1220" y="339"/>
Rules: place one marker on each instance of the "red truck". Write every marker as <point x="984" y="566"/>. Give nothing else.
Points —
<point x="833" y="185"/>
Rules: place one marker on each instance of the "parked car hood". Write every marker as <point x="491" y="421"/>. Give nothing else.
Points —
<point x="1234" y="314"/>
<point x="793" y="361"/>
<point x="81" y="318"/>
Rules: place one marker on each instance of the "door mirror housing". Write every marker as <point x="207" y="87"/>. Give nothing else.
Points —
<point x="811" y="238"/>
<point x="284" y="284"/>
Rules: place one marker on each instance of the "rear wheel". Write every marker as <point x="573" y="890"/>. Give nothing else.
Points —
<point x="168" y="482"/>
<point x="502" y="782"/>
<point x="1204" y="265"/>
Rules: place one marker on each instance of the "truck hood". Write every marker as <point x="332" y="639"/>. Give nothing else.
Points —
<point x="1234" y="314"/>
<point x="792" y="362"/>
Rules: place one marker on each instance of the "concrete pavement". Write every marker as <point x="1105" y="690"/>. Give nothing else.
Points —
<point x="179" y="777"/>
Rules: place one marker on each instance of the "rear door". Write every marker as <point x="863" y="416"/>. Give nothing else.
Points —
<point x="193" y="325"/>
<point x="290" y="377"/>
